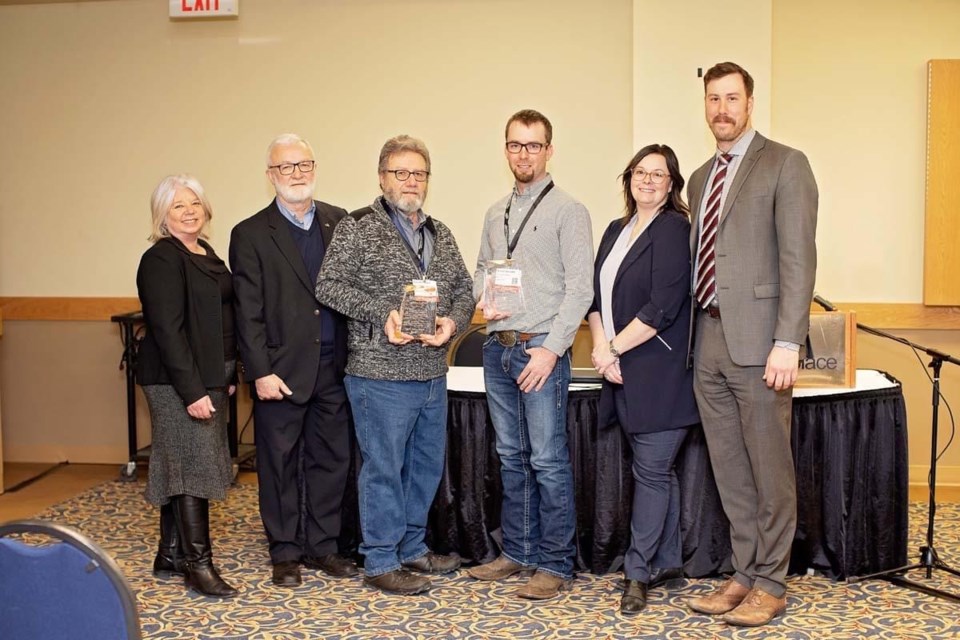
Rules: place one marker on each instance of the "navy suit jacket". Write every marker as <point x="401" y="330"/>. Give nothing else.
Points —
<point x="278" y="316"/>
<point x="653" y="285"/>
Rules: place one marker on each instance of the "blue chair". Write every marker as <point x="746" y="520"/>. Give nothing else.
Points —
<point x="68" y="589"/>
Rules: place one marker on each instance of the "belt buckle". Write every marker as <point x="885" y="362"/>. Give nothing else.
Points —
<point x="507" y="338"/>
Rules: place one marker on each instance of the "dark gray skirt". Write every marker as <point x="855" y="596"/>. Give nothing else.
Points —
<point x="187" y="456"/>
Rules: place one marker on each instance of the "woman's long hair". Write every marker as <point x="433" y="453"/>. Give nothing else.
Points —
<point x="674" y="198"/>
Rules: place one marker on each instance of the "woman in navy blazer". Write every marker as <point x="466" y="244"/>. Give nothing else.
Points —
<point x="638" y="322"/>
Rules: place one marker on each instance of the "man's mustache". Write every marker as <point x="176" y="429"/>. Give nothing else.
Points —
<point x="726" y="119"/>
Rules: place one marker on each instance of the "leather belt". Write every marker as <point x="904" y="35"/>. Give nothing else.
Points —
<point x="713" y="312"/>
<point x="510" y="338"/>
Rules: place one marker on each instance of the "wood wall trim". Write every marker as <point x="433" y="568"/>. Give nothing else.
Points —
<point x="886" y="315"/>
<point x="941" y="261"/>
<point x="874" y="314"/>
<point x="64" y="308"/>
<point x="904" y="315"/>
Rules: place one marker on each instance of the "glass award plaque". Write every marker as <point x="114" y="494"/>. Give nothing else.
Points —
<point x="830" y="358"/>
<point x="502" y="289"/>
<point x="418" y="310"/>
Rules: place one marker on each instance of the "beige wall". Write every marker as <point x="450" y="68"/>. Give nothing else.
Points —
<point x="671" y="41"/>
<point x="101" y="99"/>
<point x="849" y="88"/>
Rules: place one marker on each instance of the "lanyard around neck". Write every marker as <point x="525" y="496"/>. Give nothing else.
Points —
<point x="506" y="220"/>
<point x="415" y="253"/>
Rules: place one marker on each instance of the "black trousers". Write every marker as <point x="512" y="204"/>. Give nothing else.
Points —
<point x="303" y="446"/>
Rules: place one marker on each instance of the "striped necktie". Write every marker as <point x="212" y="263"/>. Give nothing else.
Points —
<point x="706" y="271"/>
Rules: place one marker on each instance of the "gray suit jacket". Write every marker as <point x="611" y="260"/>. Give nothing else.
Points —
<point x="766" y="254"/>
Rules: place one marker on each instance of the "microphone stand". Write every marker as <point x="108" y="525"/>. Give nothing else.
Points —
<point x="929" y="559"/>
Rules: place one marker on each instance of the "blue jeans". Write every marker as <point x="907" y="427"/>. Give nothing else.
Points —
<point x="402" y="432"/>
<point x="538" y="517"/>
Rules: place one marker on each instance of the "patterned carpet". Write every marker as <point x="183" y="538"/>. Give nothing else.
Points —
<point x="116" y="516"/>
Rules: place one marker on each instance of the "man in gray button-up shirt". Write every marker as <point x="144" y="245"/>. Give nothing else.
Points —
<point x="527" y="361"/>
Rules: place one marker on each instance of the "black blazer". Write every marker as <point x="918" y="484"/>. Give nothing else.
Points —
<point x="183" y="345"/>
<point x="278" y="316"/>
<point x="652" y="284"/>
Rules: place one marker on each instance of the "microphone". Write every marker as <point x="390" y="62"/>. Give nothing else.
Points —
<point x="823" y="302"/>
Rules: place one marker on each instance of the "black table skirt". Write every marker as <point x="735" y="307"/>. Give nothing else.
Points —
<point x="850" y="452"/>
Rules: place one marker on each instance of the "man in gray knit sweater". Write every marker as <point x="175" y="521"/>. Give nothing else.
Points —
<point x="526" y="363"/>
<point x="396" y="382"/>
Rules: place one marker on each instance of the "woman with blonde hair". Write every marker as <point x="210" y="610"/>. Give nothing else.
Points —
<point x="186" y="365"/>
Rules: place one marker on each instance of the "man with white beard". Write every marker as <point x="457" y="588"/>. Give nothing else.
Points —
<point x="397" y="381"/>
<point x="293" y="353"/>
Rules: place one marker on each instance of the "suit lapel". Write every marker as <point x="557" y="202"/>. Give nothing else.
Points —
<point x="281" y="237"/>
<point x="634" y="252"/>
<point x="327" y="224"/>
<point x="698" y="182"/>
<point x="747" y="164"/>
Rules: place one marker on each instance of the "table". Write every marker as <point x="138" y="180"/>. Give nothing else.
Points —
<point x="850" y="450"/>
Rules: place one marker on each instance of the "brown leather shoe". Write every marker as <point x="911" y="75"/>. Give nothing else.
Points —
<point x="543" y="586"/>
<point x="432" y="562"/>
<point x="332" y="564"/>
<point x="756" y="610"/>
<point x="724" y="599"/>
<point x="399" y="581"/>
<point x="502" y="567"/>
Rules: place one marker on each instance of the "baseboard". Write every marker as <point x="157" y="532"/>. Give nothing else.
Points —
<point x="53" y="454"/>
<point x="947" y="476"/>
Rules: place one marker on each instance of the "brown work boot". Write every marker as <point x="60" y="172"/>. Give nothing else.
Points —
<point x="399" y="581"/>
<point x="726" y="598"/>
<point x="433" y="563"/>
<point x="757" y="609"/>
<point x="543" y="586"/>
<point x="502" y="567"/>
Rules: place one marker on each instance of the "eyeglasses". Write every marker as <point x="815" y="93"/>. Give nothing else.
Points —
<point x="656" y="177"/>
<point x="403" y="174"/>
<point x="532" y="148"/>
<point x="286" y="169"/>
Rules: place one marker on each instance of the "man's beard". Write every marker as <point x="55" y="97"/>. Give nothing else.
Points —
<point x="406" y="203"/>
<point x="526" y="177"/>
<point x="295" y="194"/>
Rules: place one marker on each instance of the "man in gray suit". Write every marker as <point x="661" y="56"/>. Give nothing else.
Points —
<point x="753" y="238"/>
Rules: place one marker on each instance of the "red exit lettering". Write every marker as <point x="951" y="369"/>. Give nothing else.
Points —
<point x="200" y="5"/>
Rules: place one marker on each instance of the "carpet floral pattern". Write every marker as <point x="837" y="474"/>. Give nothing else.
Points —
<point x="116" y="517"/>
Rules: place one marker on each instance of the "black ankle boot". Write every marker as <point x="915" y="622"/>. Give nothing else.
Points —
<point x="193" y="525"/>
<point x="169" y="560"/>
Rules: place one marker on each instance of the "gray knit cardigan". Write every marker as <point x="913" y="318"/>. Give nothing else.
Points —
<point x="364" y="273"/>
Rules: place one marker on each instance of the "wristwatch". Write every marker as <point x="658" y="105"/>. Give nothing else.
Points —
<point x="614" y="350"/>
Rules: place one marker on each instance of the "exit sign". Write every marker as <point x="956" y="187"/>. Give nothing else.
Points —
<point x="204" y="8"/>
